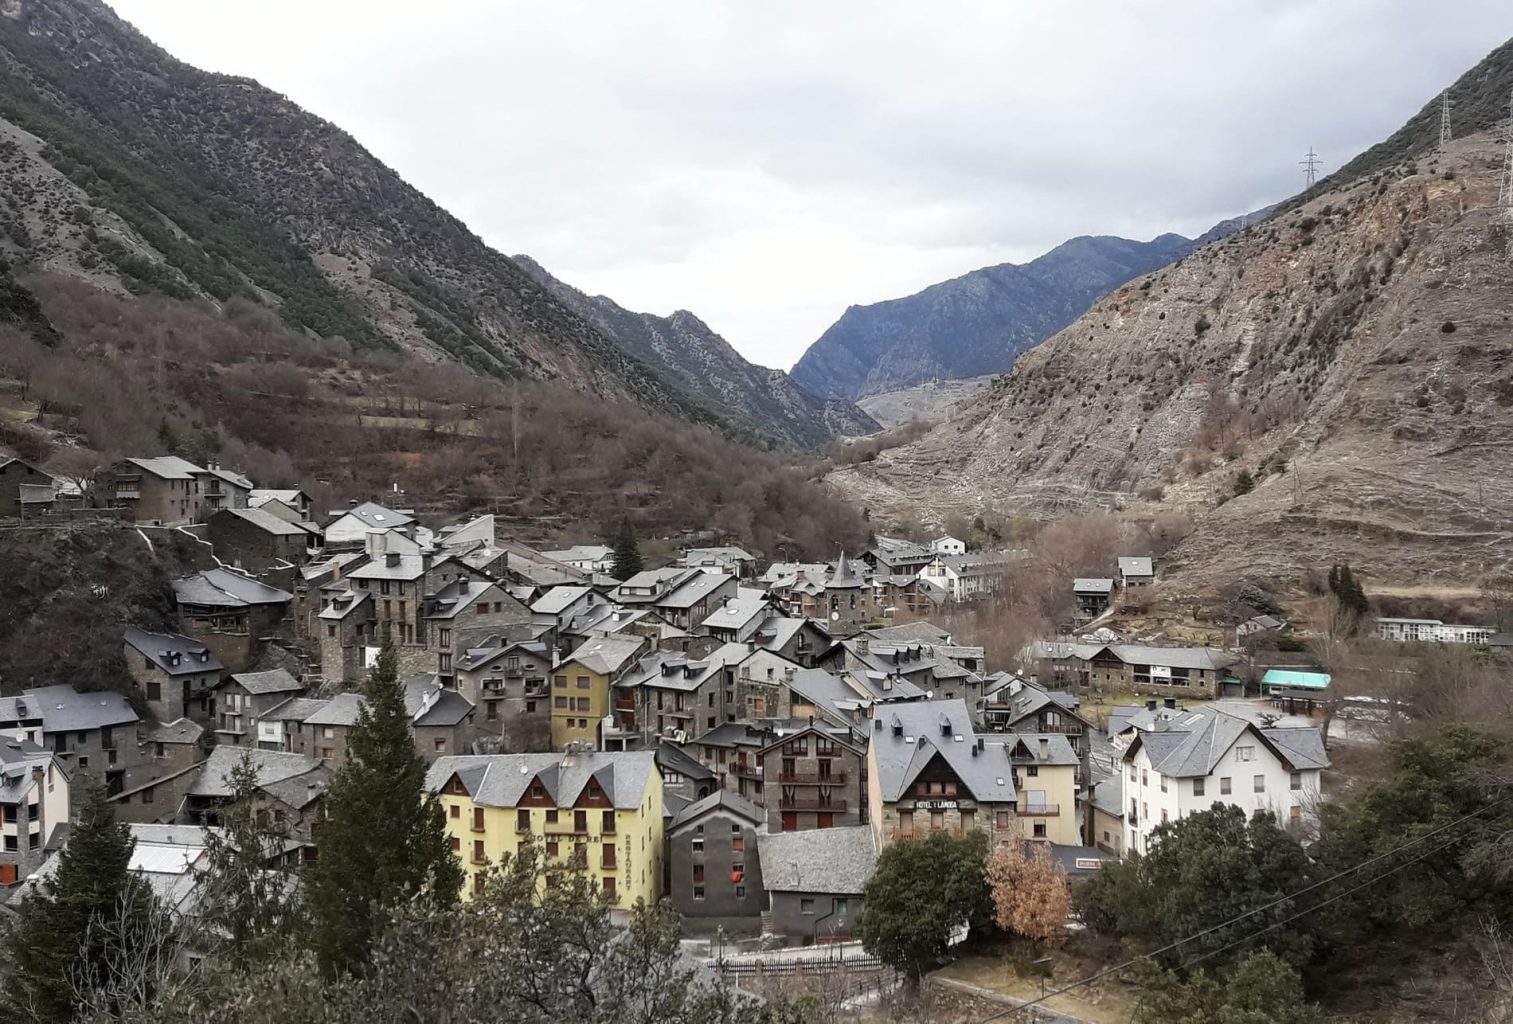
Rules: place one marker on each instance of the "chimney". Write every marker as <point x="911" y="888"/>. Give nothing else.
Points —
<point x="975" y="749"/>
<point x="1045" y="749"/>
<point x="877" y="725"/>
<point x="861" y="645"/>
<point x="1150" y="705"/>
<point x="462" y="584"/>
<point x="378" y="542"/>
<point x="898" y="727"/>
<point x="979" y="743"/>
<point x="1171" y="703"/>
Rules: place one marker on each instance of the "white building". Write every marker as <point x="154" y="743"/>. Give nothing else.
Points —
<point x="33" y="802"/>
<point x="948" y="545"/>
<point x="588" y="558"/>
<point x="1431" y="631"/>
<point x="962" y="577"/>
<point x="1199" y="758"/>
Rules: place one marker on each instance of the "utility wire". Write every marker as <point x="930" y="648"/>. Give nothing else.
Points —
<point x="1126" y="965"/>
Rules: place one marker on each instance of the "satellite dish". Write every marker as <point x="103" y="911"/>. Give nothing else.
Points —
<point x="835" y="616"/>
<point x="929" y="695"/>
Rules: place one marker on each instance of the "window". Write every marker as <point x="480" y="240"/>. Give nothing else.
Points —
<point x="522" y="820"/>
<point x="1145" y="777"/>
<point x="609" y="886"/>
<point x="698" y="846"/>
<point x="439" y="744"/>
<point x="478" y="819"/>
<point x="551" y="816"/>
<point x="479" y="881"/>
<point x="1040" y="827"/>
<point x="560" y="682"/>
<point x="478" y="854"/>
<point x="456" y="844"/>
<point x="1260" y="783"/>
<point x="455" y="810"/>
<point x="1132" y="773"/>
<point x="1163" y="815"/>
<point x="937" y="820"/>
<point x="906" y="821"/>
<point x="580" y="821"/>
<point x="740" y="892"/>
<point x="698" y="892"/>
<point x="581" y="682"/>
<point x="698" y="873"/>
<point x="481" y="608"/>
<point x="492" y="711"/>
<point x="328" y="733"/>
<point x="1163" y="783"/>
<point x="1224" y="789"/>
<point x="154" y="690"/>
<point x="806" y="906"/>
<point x="1296" y="781"/>
<point x="607" y="826"/>
<point x="147" y="795"/>
<point x="559" y="702"/>
<point x="552" y="848"/>
<point x="1296" y="814"/>
<point x="1245" y="753"/>
<point x="737" y="843"/>
<point x="1032" y="770"/>
<point x="1198" y="787"/>
<point x="83" y="762"/>
<point x="608" y="860"/>
<point x="968" y="820"/>
<point x="331" y="630"/>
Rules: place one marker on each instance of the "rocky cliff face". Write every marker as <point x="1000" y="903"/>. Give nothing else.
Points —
<point x="974" y="324"/>
<point x="685" y="352"/>
<point x="125" y="166"/>
<point x="1353" y="356"/>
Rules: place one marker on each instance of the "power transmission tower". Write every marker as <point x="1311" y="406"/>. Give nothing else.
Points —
<point x="1444" y="119"/>
<point x="1310" y="165"/>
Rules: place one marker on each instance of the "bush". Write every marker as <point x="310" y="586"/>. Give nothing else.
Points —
<point x="1244" y="483"/>
<point x="1448" y="327"/>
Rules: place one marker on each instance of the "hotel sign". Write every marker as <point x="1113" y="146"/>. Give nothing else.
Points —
<point x="936" y="805"/>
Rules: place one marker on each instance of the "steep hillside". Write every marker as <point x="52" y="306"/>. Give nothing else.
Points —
<point x="1353" y="356"/>
<point x="19" y="309"/>
<point x="126" y="167"/>
<point x="683" y="351"/>
<point x="974" y="324"/>
<point x="928" y="401"/>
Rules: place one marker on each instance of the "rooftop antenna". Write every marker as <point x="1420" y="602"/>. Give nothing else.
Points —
<point x="1310" y="165"/>
<point x="1444" y="119"/>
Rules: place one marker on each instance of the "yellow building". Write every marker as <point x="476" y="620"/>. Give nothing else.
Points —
<point x="581" y="684"/>
<point x="594" y="812"/>
<point x="1045" y="785"/>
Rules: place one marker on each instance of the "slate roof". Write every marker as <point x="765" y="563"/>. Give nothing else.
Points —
<point x="778" y="630"/>
<point x="559" y="599"/>
<point x="295" y="709"/>
<point x="222" y="588"/>
<point x="65" y="709"/>
<point x="159" y="648"/>
<point x="500" y="780"/>
<point x="910" y="632"/>
<point x="737" y="611"/>
<point x="607" y="655"/>
<point x="715" y="556"/>
<point x="928" y="729"/>
<point x="180" y="730"/>
<point x="446" y="707"/>
<point x="456" y="597"/>
<point x="169" y="858"/>
<point x="345" y="603"/>
<point x="673" y="758"/>
<point x="18" y="759"/>
<point x="1031" y="700"/>
<point x="836" y="861"/>
<point x="829" y="693"/>
<point x="1135" y="566"/>
<point x="691" y="591"/>
<point x="232" y="477"/>
<point x="581" y="553"/>
<point x="534" y="567"/>
<point x="168" y="467"/>
<point x="1192" y="745"/>
<point x="674" y="670"/>
<point x="1108" y="795"/>
<point x="263" y="495"/>
<point x="1092" y="586"/>
<point x="721" y="799"/>
<point x="273" y="681"/>
<point x="405" y="566"/>
<point x="376" y="516"/>
<point x="266" y="521"/>
<point x="272" y="767"/>
<point x="1024" y="747"/>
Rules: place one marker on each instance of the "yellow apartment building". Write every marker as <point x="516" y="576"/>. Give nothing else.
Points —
<point x="593" y="811"/>
<point x="1045" y="786"/>
<point x="581" y="686"/>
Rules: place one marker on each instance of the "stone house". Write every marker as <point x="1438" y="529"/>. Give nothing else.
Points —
<point x="34" y="800"/>
<point x="222" y="489"/>
<point x="174" y="674"/>
<point x="242" y="698"/>
<point x="800" y="641"/>
<point x="164" y="749"/>
<point x="510" y="684"/>
<point x="1133" y="668"/>
<point x="282" y="728"/>
<point x="714" y="865"/>
<point x="291" y="790"/>
<point x="260" y="543"/>
<point x="438" y="722"/>
<point x="349" y="528"/>
<point x="927" y="771"/>
<point x="463" y="612"/>
<point x="738" y="617"/>
<point x="233" y="615"/>
<point x="896" y="556"/>
<point x="1092" y="596"/>
<point x="1136" y="572"/>
<point x="292" y="498"/>
<point x="1019" y="706"/>
<point x="93" y="735"/>
<point x="162" y="491"/>
<point x="403" y="587"/>
<point x="815" y="882"/>
<point x="812" y="779"/>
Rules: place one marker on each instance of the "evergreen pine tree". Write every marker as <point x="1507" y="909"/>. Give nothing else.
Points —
<point x="247" y="904"/>
<point x="70" y="930"/>
<point x="627" y="552"/>
<point x="384" y="841"/>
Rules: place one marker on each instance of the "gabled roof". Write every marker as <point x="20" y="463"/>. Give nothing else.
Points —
<point x="222" y="588"/>
<point x="180" y="730"/>
<point x="735" y="612"/>
<point x="1026" y="747"/>
<point x="910" y="632"/>
<point x="375" y="516"/>
<point x="458" y="596"/>
<point x="345" y="603"/>
<point x="581" y="553"/>
<point x="908" y="737"/>
<point x="295" y="709"/>
<point x="232" y="477"/>
<point x="607" y="655"/>
<point x="1192" y="744"/>
<point x="65" y="709"/>
<point x="559" y="599"/>
<point x="831" y="861"/>
<point x="500" y="780"/>
<point x="689" y="592"/>
<point x="1135" y="566"/>
<point x="271" y="766"/>
<point x="177" y="655"/>
<point x="673" y="758"/>
<point x="19" y="760"/>
<point x="273" y="681"/>
<point x="266" y="521"/>
<point x="263" y="495"/>
<point x="721" y="800"/>
<point x="1082" y="585"/>
<point x="168" y="467"/>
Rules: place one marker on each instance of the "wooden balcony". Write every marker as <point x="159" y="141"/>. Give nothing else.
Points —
<point x="746" y="771"/>
<point x="811" y="803"/>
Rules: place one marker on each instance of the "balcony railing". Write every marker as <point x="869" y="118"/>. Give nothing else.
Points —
<point x="749" y="771"/>
<point x="812" y="778"/>
<point x="1040" y="811"/>
<point x="811" y="803"/>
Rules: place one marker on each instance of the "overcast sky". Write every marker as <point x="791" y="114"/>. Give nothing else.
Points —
<point x="765" y="165"/>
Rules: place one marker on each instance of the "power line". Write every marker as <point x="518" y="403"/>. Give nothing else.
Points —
<point x="1126" y="965"/>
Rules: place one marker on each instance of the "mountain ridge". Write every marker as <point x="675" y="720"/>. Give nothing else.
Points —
<point x="681" y="346"/>
<point x="975" y="323"/>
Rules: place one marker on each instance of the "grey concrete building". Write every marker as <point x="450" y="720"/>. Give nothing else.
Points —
<point x="714" y="866"/>
<point x="174" y="674"/>
<point x="243" y="697"/>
